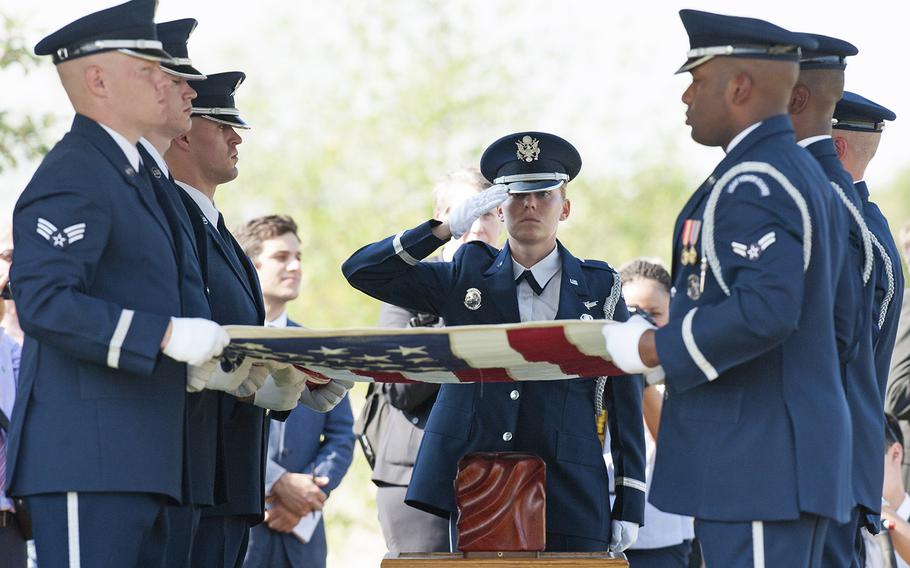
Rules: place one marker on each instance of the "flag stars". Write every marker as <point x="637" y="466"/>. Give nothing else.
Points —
<point x="408" y="351"/>
<point x="328" y="351"/>
<point x="373" y="358"/>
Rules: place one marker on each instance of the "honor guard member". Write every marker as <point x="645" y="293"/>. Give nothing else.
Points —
<point x="200" y="161"/>
<point x="754" y="393"/>
<point x="202" y="408"/>
<point x="858" y="125"/>
<point x="534" y="277"/>
<point x="819" y="86"/>
<point x="97" y="438"/>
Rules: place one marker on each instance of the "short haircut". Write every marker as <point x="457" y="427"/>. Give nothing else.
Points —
<point x="254" y="232"/>
<point x="463" y="176"/>
<point x="893" y="434"/>
<point x="645" y="268"/>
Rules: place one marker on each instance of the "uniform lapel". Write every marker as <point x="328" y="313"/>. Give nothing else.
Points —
<point x="574" y="289"/>
<point x="501" y="284"/>
<point x="221" y="245"/>
<point x="222" y="242"/>
<point x="90" y="129"/>
<point x="252" y="277"/>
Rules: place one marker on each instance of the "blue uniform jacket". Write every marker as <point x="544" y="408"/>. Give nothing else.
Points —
<point x="235" y="298"/>
<point x="95" y="281"/>
<point x="864" y="393"/>
<point x="554" y="420"/>
<point x="202" y="442"/>
<point x="886" y="306"/>
<point x="889" y="284"/>
<point x="314" y="442"/>
<point x="755" y="425"/>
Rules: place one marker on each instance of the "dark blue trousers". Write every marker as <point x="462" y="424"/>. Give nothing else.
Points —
<point x="99" y="529"/>
<point x="794" y="544"/>
<point x="221" y="541"/>
<point x="843" y="544"/>
<point x="667" y="557"/>
<point x="184" y="522"/>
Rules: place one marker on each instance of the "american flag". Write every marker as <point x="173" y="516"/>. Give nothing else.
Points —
<point x="532" y="351"/>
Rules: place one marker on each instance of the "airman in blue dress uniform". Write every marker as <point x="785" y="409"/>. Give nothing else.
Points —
<point x="533" y="277"/>
<point x="858" y="128"/>
<point x="97" y="438"/>
<point x="206" y="481"/>
<point x="754" y="393"/>
<point x="819" y="87"/>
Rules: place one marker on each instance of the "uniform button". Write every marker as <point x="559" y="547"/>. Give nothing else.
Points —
<point x="415" y="420"/>
<point x="507" y="436"/>
<point x="514" y="395"/>
<point x="285" y="451"/>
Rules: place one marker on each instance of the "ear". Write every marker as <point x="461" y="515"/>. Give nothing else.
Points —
<point x="799" y="99"/>
<point x="94" y="81"/>
<point x="502" y="219"/>
<point x="739" y="89"/>
<point x="182" y="142"/>
<point x="566" y="208"/>
<point x="840" y="145"/>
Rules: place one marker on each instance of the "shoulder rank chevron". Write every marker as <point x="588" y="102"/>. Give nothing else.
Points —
<point x="60" y="239"/>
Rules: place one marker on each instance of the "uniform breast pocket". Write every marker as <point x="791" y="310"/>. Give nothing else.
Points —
<point x="582" y="450"/>
<point x="97" y="382"/>
<point x="450" y="421"/>
<point x="713" y="402"/>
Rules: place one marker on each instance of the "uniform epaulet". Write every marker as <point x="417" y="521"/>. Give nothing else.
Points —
<point x="599" y="264"/>
<point x="476" y="247"/>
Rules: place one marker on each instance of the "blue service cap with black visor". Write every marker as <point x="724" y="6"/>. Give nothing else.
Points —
<point x="526" y="162"/>
<point x="215" y="98"/>
<point x="174" y="37"/>
<point x="859" y="114"/>
<point x="717" y="35"/>
<point x="128" y="28"/>
<point x="831" y="54"/>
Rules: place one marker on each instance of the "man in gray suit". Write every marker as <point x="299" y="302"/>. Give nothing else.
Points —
<point x="897" y="397"/>
<point x="405" y="528"/>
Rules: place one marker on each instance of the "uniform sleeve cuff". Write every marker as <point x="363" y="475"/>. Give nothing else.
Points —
<point x="136" y="341"/>
<point x="680" y="355"/>
<point x="413" y="245"/>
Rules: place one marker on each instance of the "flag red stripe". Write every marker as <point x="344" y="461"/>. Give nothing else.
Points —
<point x="384" y="376"/>
<point x="550" y="345"/>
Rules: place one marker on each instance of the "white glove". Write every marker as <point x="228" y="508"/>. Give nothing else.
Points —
<point x="327" y="396"/>
<point x="275" y="397"/>
<point x="217" y="375"/>
<point x="195" y="340"/>
<point x="285" y="374"/>
<point x="622" y="344"/>
<point x="623" y="535"/>
<point x="252" y="382"/>
<point x="655" y="376"/>
<point x="471" y="209"/>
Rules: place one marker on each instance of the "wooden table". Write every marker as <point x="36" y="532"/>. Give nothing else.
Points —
<point x="539" y="560"/>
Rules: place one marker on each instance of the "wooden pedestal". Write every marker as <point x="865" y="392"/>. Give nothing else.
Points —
<point x="540" y="560"/>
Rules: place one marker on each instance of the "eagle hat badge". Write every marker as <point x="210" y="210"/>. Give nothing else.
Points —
<point x="528" y="148"/>
<point x="60" y="238"/>
<point x="472" y="299"/>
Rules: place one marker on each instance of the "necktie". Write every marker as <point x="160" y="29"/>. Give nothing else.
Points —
<point x="532" y="282"/>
